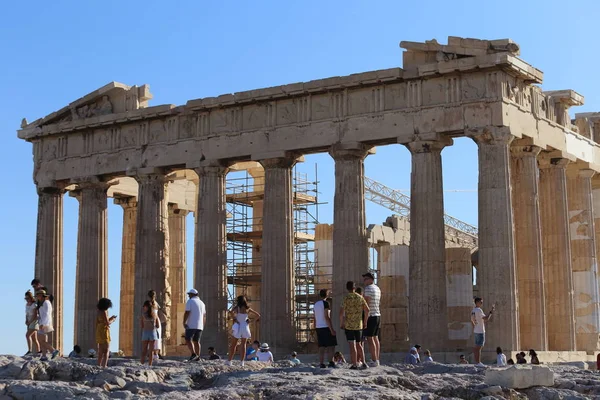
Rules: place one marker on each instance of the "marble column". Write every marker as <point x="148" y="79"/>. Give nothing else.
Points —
<point x="583" y="256"/>
<point x="151" y="250"/>
<point x="277" y="278"/>
<point x="528" y="245"/>
<point x="210" y="275"/>
<point x="127" y="318"/>
<point x="496" y="275"/>
<point x="427" y="275"/>
<point x="350" y="247"/>
<point x="556" y="251"/>
<point x="177" y="265"/>
<point x="91" y="282"/>
<point x="49" y="253"/>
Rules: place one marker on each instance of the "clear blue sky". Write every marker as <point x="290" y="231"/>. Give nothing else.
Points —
<point x="54" y="52"/>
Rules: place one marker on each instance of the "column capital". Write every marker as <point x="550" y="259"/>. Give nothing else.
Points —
<point x="493" y="135"/>
<point x="174" y="209"/>
<point x="91" y="182"/>
<point x="278" y="162"/>
<point x="427" y="143"/>
<point x="50" y="190"/>
<point x="350" y="151"/>
<point x="579" y="170"/>
<point x="552" y="159"/>
<point x="212" y="170"/>
<point x="521" y="148"/>
<point x="126" y="201"/>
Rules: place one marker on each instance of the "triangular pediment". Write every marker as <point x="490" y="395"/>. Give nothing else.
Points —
<point x="112" y="98"/>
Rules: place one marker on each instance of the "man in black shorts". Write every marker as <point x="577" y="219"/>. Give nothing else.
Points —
<point x="372" y="295"/>
<point x="352" y="319"/>
<point x="325" y="333"/>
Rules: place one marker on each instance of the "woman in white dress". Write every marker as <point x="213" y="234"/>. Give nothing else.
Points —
<point x="158" y="342"/>
<point x="240" y="314"/>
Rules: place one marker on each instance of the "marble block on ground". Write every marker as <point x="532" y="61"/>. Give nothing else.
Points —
<point x="520" y="376"/>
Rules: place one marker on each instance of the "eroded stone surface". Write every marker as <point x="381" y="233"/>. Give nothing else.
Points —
<point x="520" y="376"/>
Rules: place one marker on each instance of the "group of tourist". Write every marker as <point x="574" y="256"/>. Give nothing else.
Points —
<point x="39" y="322"/>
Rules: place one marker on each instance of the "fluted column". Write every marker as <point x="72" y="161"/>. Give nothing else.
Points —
<point x="496" y="276"/>
<point x="528" y="246"/>
<point x="151" y="249"/>
<point x="556" y="251"/>
<point x="177" y="264"/>
<point x="92" y="260"/>
<point x="127" y="317"/>
<point x="350" y="247"/>
<point x="210" y="275"/>
<point x="427" y="274"/>
<point x="277" y="278"/>
<point x="583" y="256"/>
<point x="49" y="253"/>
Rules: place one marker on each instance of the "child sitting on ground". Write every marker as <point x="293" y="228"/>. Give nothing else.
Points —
<point x="338" y="358"/>
<point x="294" y="358"/>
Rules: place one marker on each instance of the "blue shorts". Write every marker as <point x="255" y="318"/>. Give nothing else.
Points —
<point x="479" y="339"/>
<point x="149" y="336"/>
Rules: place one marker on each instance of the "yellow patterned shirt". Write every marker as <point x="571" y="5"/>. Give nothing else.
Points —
<point x="353" y="310"/>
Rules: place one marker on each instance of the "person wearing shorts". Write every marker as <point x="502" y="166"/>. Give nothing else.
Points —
<point x="194" y="319"/>
<point x="325" y="334"/>
<point x="478" y="318"/>
<point x="372" y="295"/>
<point x="352" y="319"/>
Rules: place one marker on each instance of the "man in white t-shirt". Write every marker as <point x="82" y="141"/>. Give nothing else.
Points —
<point x="372" y="295"/>
<point x="478" y="318"/>
<point x="326" y="337"/>
<point x="194" y="319"/>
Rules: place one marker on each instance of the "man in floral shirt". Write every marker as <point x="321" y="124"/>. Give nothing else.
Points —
<point x="353" y="317"/>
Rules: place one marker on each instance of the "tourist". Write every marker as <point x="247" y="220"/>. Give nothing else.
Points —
<point x="240" y="330"/>
<point x="103" y="330"/>
<point x="212" y="354"/>
<point x="428" y="356"/>
<point x="411" y="357"/>
<point x="521" y="358"/>
<point x="264" y="355"/>
<point x="352" y="312"/>
<point x="534" y="358"/>
<point x="373" y="297"/>
<point x="418" y="347"/>
<point x="251" y="353"/>
<point x="462" y="359"/>
<point x="159" y="314"/>
<point x="37" y="285"/>
<point x="361" y="351"/>
<point x="326" y="337"/>
<point x="478" y="319"/>
<point x="500" y="358"/>
<point x="31" y="321"/>
<point x="194" y="319"/>
<point x="294" y="358"/>
<point x="510" y="362"/>
<point x="149" y="322"/>
<point x="338" y="358"/>
<point x="92" y="353"/>
<point x="76" y="353"/>
<point x="46" y="326"/>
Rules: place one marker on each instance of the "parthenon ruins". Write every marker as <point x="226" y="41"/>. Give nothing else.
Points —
<point x="538" y="197"/>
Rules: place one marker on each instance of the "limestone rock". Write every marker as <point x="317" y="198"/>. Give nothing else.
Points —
<point x="520" y="377"/>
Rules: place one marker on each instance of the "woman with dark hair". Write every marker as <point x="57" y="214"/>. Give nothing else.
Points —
<point x="155" y="309"/>
<point x="240" y="314"/>
<point x="31" y="321"/>
<point x="149" y="323"/>
<point x="534" y="357"/>
<point x="103" y="330"/>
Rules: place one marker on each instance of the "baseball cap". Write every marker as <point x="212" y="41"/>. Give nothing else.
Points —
<point x="192" y="291"/>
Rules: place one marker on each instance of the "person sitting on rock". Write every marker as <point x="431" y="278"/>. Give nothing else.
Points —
<point x="253" y="351"/>
<point x="462" y="359"/>
<point x="534" y="358"/>
<point x="428" y="356"/>
<point x="521" y="358"/>
<point x="411" y="357"/>
<point x="338" y="358"/>
<point x="76" y="353"/>
<point x="510" y="362"/>
<point x="294" y="358"/>
<point x="264" y="355"/>
<point x="500" y="358"/>
<point x="212" y="354"/>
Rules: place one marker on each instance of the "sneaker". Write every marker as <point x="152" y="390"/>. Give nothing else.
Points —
<point x="54" y="354"/>
<point x="227" y="362"/>
<point x="43" y="358"/>
<point x="322" y="366"/>
<point x="242" y="363"/>
<point x="354" y="367"/>
<point x="192" y="357"/>
<point x="376" y="363"/>
<point x="480" y="365"/>
<point x="364" y="366"/>
<point x="197" y="358"/>
<point x="331" y="365"/>
<point x="27" y="354"/>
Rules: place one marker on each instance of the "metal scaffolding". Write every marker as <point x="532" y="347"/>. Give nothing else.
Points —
<point x="244" y="195"/>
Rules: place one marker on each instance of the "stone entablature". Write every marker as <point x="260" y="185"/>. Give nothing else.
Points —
<point x="465" y="91"/>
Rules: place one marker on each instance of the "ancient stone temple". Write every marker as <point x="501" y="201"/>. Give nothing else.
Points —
<point x="537" y="244"/>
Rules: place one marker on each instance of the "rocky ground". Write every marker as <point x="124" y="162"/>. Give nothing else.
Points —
<point x="126" y="379"/>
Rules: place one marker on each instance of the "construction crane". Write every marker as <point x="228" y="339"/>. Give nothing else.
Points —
<point x="399" y="203"/>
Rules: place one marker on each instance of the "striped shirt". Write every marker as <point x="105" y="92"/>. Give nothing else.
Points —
<point x="374" y="294"/>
